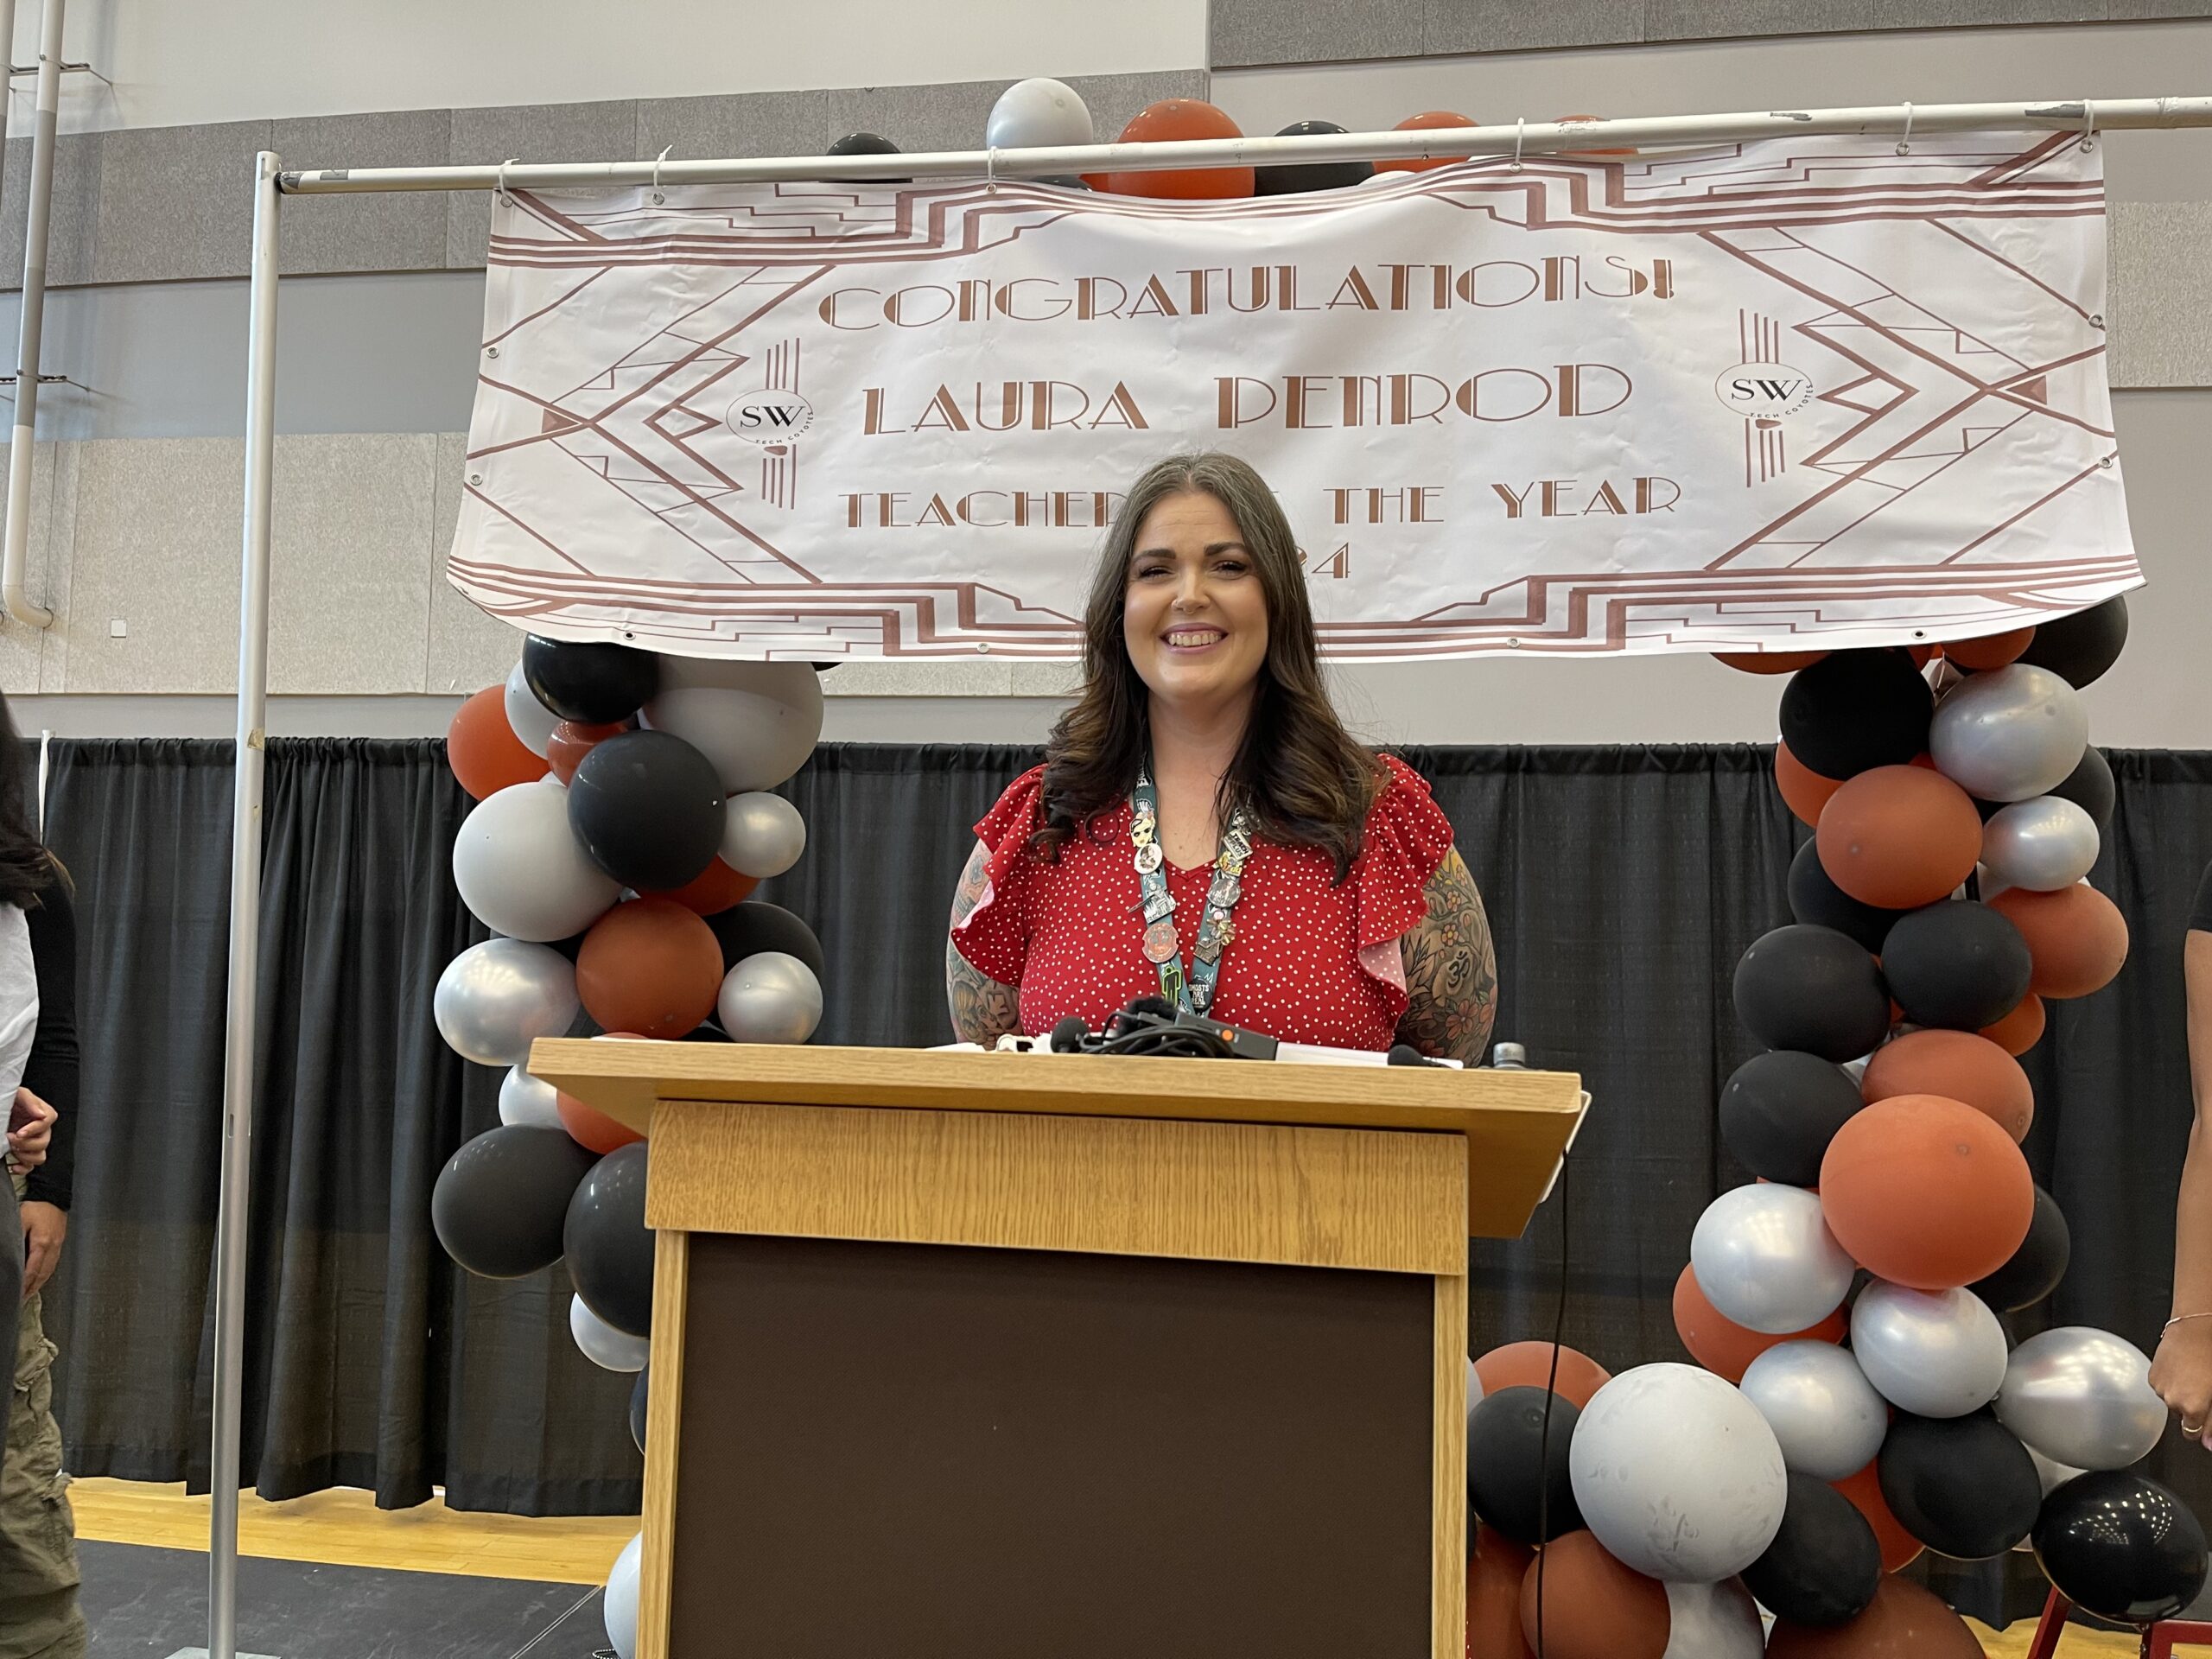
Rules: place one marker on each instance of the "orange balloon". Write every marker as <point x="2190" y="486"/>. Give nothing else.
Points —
<point x="1958" y="1065"/>
<point x="714" y="890"/>
<point x="1922" y="655"/>
<point x="1725" y="1348"/>
<point x="1170" y="120"/>
<point x="1864" y="1489"/>
<point x="1592" y="1607"/>
<point x="651" y="967"/>
<point x="591" y="1128"/>
<point x="2077" y="938"/>
<point x="1926" y="1192"/>
<point x="1991" y="651"/>
<point x="1899" y="837"/>
<point x="1528" y="1364"/>
<point x="1904" y="1621"/>
<point x="1803" y="791"/>
<point x="1427" y="120"/>
<point x="483" y="750"/>
<point x="1564" y="119"/>
<point x="1760" y="662"/>
<point x="2020" y="1030"/>
<point x="1494" y="1570"/>
<point x="572" y="740"/>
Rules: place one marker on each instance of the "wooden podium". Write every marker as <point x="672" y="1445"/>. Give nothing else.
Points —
<point x="962" y="1356"/>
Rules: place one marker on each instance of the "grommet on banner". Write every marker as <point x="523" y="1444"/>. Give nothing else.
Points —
<point x="499" y="189"/>
<point x="658" y="199"/>
<point x="991" y="171"/>
<point x="1904" y="144"/>
<point x="1520" y="131"/>
<point x="2088" y="125"/>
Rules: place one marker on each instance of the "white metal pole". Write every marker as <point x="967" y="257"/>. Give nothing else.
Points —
<point x="14" y="553"/>
<point x="224" y="1473"/>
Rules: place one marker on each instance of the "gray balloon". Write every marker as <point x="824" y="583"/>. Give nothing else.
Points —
<point x="518" y="867"/>
<point x="1764" y="1258"/>
<point x="762" y="833"/>
<point x="1826" y="1415"/>
<point x="530" y="1102"/>
<point x="2043" y="844"/>
<point x="1037" y="114"/>
<point x="1934" y="1353"/>
<point x="2009" y="734"/>
<point x="496" y="998"/>
<point x="769" y="997"/>
<point x="756" y="723"/>
<point x="2082" y="1398"/>
<point x="2050" y="1475"/>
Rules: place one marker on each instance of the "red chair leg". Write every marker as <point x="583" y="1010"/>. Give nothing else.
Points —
<point x="2050" y="1627"/>
<point x="2163" y="1634"/>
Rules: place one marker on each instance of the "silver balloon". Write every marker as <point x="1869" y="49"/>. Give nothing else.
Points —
<point x="2051" y="1476"/>
<point x="530" y="1102"/>
<point x="2082" y="1398"/>
<point x="532" y="720"/>
<point x="619" y="1605"/>
<point x="1713" y="1621"/>
<point x="1676" y="1474"/>
<point x="769" y="997"/>
<point x="1031" y="114"/>
<point x="2043" y="844"/>
<point x="762" y="835"/>
<point x="2009" y="734"/>
<point x="494" y="999"/>
<point x="519" y="869"/>
<point x="1935" y="1353"/>
<point x="1764" y="1258"/>
<point x="606" y="1347"/>
<point x="1827" y="1416"/>
<point x="756" y="722"/>
<point x="1474" y="1389"/>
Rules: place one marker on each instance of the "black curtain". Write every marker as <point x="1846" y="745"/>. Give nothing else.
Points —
<point x="1621" y="885"/>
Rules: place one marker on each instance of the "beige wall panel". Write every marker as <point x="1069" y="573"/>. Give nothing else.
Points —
<point x="30" y="657"/>
<point x="468" y="650"/>
<point x="2161" y="294"/>
<point x="349" y="599"/>
<point x="155" y="548"/>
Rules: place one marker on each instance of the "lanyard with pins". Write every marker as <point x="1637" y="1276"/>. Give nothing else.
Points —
<point x="1163" y="945"/>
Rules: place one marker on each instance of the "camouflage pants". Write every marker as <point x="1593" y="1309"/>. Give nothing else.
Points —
<point x="38" y="1535"/>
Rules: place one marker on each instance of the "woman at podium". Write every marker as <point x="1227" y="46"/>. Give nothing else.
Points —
<point x="1203" y="829"/>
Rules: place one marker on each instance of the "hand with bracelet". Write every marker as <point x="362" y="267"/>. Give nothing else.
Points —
<point x="2181" y="1370"/>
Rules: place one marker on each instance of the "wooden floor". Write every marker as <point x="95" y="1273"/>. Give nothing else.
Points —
<point x="345" y="1528"/>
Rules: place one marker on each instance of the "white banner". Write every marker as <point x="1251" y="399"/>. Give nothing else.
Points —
<point x="1799" y="392"/>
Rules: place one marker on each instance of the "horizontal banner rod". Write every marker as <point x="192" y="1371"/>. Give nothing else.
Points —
<point x="1528" y="138"/>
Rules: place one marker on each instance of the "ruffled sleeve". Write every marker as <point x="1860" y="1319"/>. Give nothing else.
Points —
<point x="1406" y="839"/>
<point x="995" y="938"/>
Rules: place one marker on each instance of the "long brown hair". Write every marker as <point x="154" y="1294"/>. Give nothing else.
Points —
<point x="1299" y="774"/>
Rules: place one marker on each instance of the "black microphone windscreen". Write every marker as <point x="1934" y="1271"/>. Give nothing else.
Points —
<point x="1068" y="1035"/>
<point x="1405" y="1054"/>
<point x="1155" y="1007"/>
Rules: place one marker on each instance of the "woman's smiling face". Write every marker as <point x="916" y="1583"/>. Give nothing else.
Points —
<point x="1193" y="615"/>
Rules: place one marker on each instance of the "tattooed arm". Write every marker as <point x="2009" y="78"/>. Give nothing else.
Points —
<point x="1450" y="968"/>
<point x="982" y="1009"/>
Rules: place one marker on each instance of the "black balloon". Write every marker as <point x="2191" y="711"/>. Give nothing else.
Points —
<point x="647" y="809"/>
<point x="1964" y="1486"/>
<point x="501" y="1201"/>
<point x="1517" y="1470"/>
<point x="593" y="682"/>
<point x="2081" y="647"/>
<point x="1824" y="1564"/>
<point x="2089" y="786"/>
<point x="2037" y="1266"/>
<point x="1853" y="709"/>
<point x="640" y="1392"/>
<point x="1956" y="964"/>
<point x="867" y="143"/>
<point x="1812" y="989"/>
<point x="1280" y="181"/>
<point x="609" y="1247"/>
<point x="747" y="929"/>
<point x="2120" y="1546"/>
<point x="1780" y="1110"/>
<point x="1815" y="898"/>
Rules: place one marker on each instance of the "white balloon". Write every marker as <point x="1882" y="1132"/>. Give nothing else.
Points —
<point x="621" y="1601"/>
<point x="756" y="722"/>
<point x="496" y="998"/>
<point x="2082" y="1398"/>
<point x="2043" y="844"/>
<point x="1677" y="1474"/>
<point x="1713" y="1621"/>
<point x="1474" y="1389"/>
<point x="762" y="833"/>
<point x="606" y="1347"/>
<point x="2051" y="1475"/>
<point x="532" y="720"/>
<point x="2011" y="734"/>
<point x="769" y="997"/>
<point x="1826" y="1415"/>
<point x="1764" y="1258"/>
<point x="1032" y="114"/>
<point x="1935" y="1353"/>
<point x="529" y="1101"/>
<point x="520" y="871"/>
